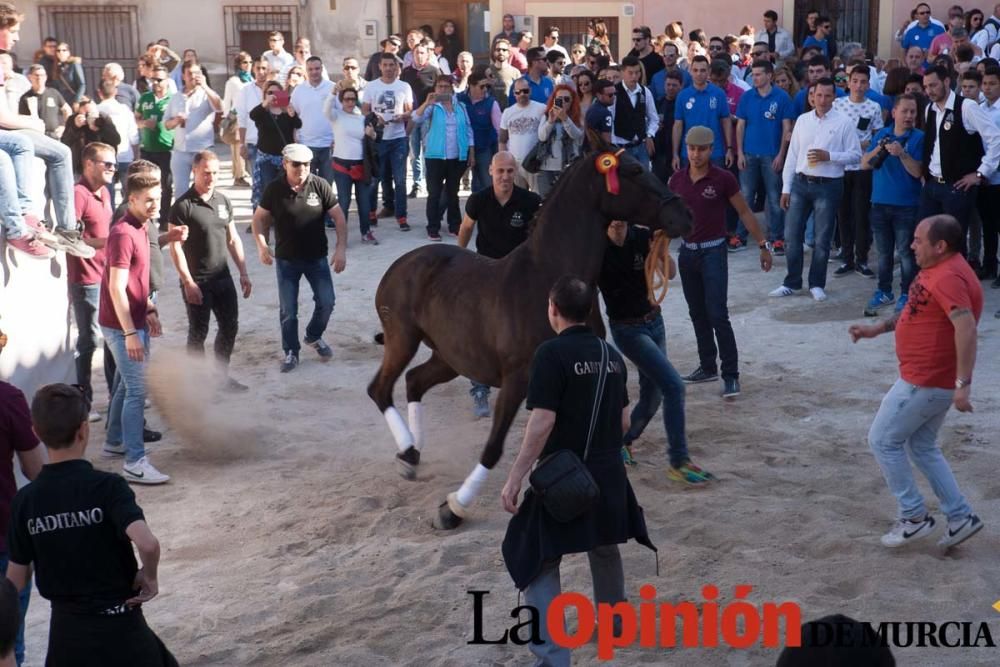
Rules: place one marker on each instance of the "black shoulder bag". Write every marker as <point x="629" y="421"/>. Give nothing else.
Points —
<point x="561" y="480"/>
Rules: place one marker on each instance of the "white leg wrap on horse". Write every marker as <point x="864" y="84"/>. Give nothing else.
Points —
<point x="470" y="487"/>
<point x="416" y="413"/>
<point x="404" y="439"/>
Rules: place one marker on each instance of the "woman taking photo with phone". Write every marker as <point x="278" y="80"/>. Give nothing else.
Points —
<point x="562" y="131"/>
<point x="276" y="124"/>
<point x="448" y="149"/>
<point x="349" y="132"/>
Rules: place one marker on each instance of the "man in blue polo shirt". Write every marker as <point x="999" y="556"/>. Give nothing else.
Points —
<point x="702" y="104"/>
<point x="818" y="68"/>
<point x="763" y="129"/>
<point x="896" y="158"/>
<point x="924" y="32"/>
<point x="537" y="77"/>
<point x="670" y="56"/>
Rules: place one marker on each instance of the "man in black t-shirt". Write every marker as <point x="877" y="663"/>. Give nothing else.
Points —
<point x="206" y="284"/>
<point x="45" y="103"/>
<point x="599" y="117"/>
<point x="503" y="213"/>
<point x="295" y="205"/>
<point x="70" y="508"/>
<point x="638" y="331"/>
<point x="562" y="391"/>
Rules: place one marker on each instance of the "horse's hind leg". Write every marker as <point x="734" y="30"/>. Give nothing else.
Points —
<point x="400" y="347"/>
<point x="419" y="381"/>
<point x="455" y="508"/>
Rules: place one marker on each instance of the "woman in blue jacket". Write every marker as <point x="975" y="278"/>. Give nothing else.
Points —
<point x="67" y="76"/>
<point x="448" y="148"/>
<point x="484" y="114"/>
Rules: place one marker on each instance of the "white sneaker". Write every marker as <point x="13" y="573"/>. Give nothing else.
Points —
<point x="783" y="291"/>
<point x="905" y="531"/>
<point x="143" y="472"/>
<point x="111" y="451"/>
<point x="94" y="416"/>
<point x="960" y="531"/>
<point x="818" y="293"/>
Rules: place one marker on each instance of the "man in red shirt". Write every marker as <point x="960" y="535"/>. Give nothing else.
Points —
<point x="128" y="318"/>
<point x="16" y="437"/>
<point x="93" y="207"/>
<point x="936" y="348"/>
<point x="702" y="260"/>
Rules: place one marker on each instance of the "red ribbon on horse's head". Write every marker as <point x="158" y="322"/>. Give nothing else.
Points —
<point x="607" y="164"/>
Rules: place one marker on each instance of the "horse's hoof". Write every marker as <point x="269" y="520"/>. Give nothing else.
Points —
<point x="407" y="463"/>
<point x="446" y="519"/>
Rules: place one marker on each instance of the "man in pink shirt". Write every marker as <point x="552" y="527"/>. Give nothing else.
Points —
<point x="93" y="207"/>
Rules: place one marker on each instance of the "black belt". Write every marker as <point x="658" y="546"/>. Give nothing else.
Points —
<point x="817" y="179"/>
<point x="631" y="144"/>
<point x="645" y="319"/>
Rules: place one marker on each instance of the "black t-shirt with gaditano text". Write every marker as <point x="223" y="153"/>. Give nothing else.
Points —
<point x="70" y="522"/>
<point x="623" y="276"/>
<point x="501" y="228"/>
<point x="299" y="228"/>
<point x="564" y="375"/>
<point x="206" y="247"/>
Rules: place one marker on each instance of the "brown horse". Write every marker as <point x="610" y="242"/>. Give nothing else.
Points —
<point x="484" y="318"/>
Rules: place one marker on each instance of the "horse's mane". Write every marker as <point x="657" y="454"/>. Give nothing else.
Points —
<point x="561" y="184"/>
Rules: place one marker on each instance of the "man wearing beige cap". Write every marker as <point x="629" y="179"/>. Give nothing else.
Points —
<point x="295" y="207"/>
<point x="703" y="258"/>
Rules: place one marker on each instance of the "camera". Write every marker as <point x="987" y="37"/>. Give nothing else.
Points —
<point x="558" y="102"/>
<point x="879" y="158"/>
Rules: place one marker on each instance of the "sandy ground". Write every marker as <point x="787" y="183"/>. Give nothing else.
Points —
<point x="289" y="539"/>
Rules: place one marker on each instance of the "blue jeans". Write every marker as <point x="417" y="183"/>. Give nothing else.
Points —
<point x="416" y="158"/>
<point x="906" y="428"/>
<point x="937" y="198"/>
<point x="759" y="171"/>
<point x="317" y="273"/>
<point x="59" y="177"/>
<point x="120" y="177"/>
<point x="705" y="279"/>
<point x="85" y="300"/>
<point x="128" y="395"/>
<point x="481" y="178"/>
<point x="639" y="153"/>
<point x="822" y="199"/>
<point x="645" y="345"/>
<point x="362" y="194"/>
<point x="893" y="228"/>
<point x="255" y="185"/>
<point x="268" y="168"/>
<point x="24" y="597"/>
<point x="392" y="155"/>
<point x="16" y="155"/>
<point x="181" y="164"/>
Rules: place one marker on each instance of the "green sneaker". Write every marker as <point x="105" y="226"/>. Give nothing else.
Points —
<point x="627" y="457"/>
<point x="690" y="474"/>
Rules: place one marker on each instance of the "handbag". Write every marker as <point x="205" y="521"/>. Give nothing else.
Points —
<point x="230" y="128"/>
<point x="562" y="480"/>
<point x="532" y="162"/>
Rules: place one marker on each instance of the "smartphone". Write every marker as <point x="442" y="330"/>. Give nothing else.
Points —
<point x="558" y="103"/>
<point x="282" y="98"/>
<point x="442" y="97"/>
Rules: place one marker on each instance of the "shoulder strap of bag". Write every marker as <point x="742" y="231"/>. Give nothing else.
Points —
<point x="278" y="128"/>
<point x="598" y="395"/>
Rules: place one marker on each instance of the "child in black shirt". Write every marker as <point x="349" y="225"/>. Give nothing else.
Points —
<point x="76" y="527"/>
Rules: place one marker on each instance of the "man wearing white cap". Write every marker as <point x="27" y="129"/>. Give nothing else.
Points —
<point x="295" y="207"/>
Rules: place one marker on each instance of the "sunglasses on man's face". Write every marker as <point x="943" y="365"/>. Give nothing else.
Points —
<point x="350" y="67"/>
<point x="522" y="92"/>
<point x="108" y="166"/>
<point x="759" y="54"/>
<point x="299" y="165"/>
<point x="350" y="99"/>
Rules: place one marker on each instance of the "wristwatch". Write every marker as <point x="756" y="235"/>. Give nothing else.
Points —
<point x="766" y="245"/>
<point x="962" y="382"/>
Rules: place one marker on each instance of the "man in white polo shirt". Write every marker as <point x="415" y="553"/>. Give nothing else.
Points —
<point x="316" y="131"/>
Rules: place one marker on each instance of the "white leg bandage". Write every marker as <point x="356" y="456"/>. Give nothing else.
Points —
<point x="416" y="414"/>
<point x="470" y="487"/>
<point x="402" y="435"/>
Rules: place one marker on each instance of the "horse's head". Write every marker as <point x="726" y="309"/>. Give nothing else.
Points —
<point x="627" y="191"/>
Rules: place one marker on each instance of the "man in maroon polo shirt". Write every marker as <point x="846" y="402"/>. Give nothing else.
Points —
<point x="128" y="318"/>
<point x="93" y="208"/>
<point x="16" y="437"/>
<point x="703" y="258"/>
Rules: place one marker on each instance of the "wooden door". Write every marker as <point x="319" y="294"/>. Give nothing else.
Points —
<point x="468" y="15"/>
